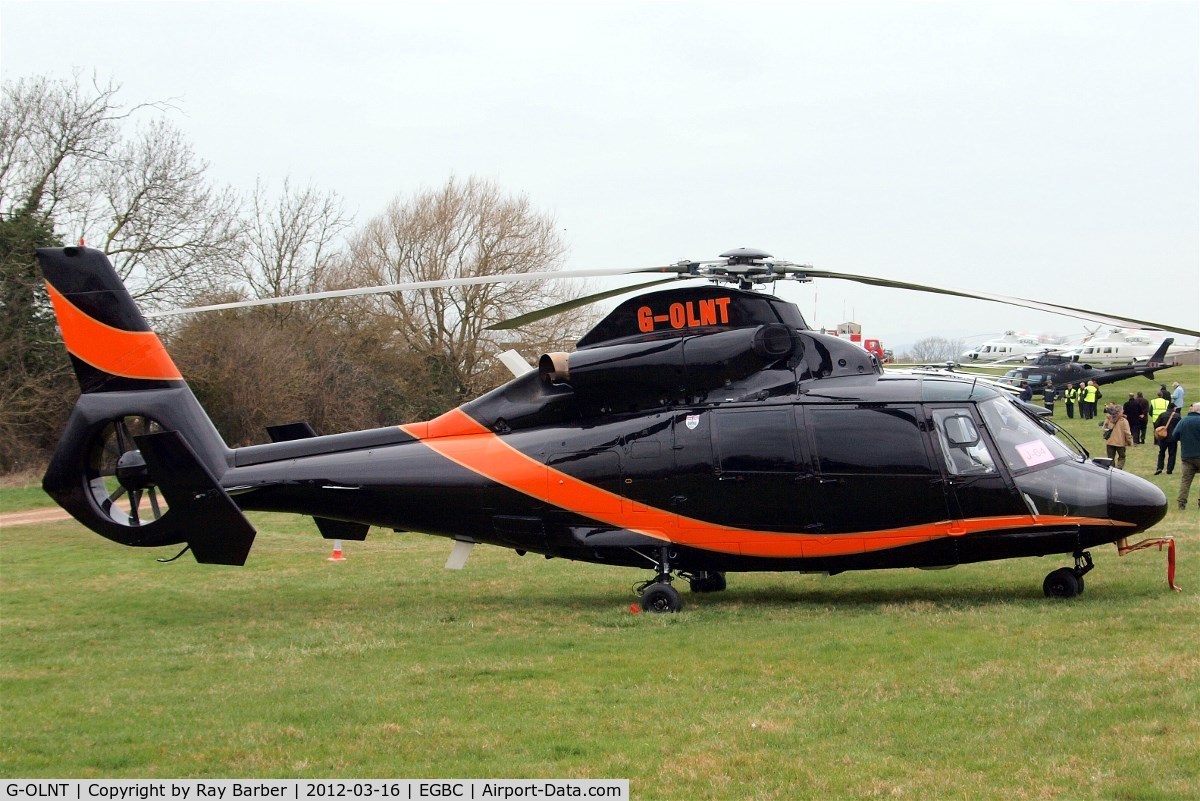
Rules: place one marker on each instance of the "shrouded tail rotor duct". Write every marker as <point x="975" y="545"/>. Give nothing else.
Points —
<point x="683" y="364"/>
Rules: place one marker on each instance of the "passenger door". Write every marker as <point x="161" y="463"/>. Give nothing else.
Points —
<point x="874" y="468"/>
<point x="756" y="469"/>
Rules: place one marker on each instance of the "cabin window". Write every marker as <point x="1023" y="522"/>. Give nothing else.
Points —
<point x="858" y="440"/>
<point x="963" y="449"/>
<point x="755" y="440"/>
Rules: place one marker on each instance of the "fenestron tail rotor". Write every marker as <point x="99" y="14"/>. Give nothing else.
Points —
<point x="116" y="476"/>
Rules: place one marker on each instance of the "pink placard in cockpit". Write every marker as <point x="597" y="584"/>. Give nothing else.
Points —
<point x="1035" y="452"/>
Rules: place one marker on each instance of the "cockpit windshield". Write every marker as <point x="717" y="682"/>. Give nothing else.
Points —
<point x="1024" y="445"/>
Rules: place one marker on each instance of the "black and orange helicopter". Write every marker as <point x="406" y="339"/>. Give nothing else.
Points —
<point x="695" y="431"/>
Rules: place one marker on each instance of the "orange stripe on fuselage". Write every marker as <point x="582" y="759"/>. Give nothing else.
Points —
<point x="465" y="442"/>
<point x="130" y="354"/>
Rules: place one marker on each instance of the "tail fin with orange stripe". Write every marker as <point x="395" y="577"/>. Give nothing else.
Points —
<point x="131" y="395"/>
<point x="111" y="346"/>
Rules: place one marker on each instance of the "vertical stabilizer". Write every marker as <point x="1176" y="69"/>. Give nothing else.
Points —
<point x="111" y="346"/>
<point x="107" y="471"/>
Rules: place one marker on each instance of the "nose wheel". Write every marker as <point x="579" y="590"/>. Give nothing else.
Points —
<point x="1067" y="582"/>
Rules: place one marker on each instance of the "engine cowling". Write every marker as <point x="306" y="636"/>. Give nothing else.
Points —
<point x="681" y="365"/>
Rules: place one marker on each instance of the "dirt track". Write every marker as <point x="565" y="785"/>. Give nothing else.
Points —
<point x="33" y="516"/>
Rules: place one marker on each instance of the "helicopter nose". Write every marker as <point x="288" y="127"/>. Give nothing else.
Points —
<point x="1132" y="499"/>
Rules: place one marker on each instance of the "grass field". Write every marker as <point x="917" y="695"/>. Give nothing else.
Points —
<point x="964" y="683"/>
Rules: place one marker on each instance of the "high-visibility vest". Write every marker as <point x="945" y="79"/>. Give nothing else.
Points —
<point x="1158" y="406"/>
<point x="1072" y="394"/>
<point x="1089" y="393"/>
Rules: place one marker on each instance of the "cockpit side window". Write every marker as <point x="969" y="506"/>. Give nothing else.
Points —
<point x="963" y="448"/>
<point x="1023" y="444"/>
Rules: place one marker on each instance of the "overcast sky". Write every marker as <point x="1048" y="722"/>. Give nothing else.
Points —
<point x="1046" y="150"/>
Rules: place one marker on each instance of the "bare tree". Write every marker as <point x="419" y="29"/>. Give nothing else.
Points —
<point x="51" y="133"/>
<point x="69" y="168"/>
<point x="169" y="233"/>
<point x="292" y="243"/>
<point x="66" y="156"/>
<point x="464" y="229"/>
<point x="935" y="349"/>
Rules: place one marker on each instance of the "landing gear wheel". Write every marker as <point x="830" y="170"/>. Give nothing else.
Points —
<point x="661" y="597"/>
<point x="709" y="582"/>
<point x="1062" y="583"/>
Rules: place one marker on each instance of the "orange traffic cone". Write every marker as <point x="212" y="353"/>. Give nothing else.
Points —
<point x="337" y="552"/>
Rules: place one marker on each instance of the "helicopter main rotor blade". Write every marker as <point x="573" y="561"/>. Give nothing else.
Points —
<point x="566" y="306"/>
<point x="499" y="278"/>
<point x="1053" y="308"/>
<point x="746" y="269"/>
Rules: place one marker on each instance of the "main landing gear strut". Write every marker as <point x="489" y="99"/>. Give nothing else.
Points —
<point x="658" y="595"/>
<point x="1067" y="582"/>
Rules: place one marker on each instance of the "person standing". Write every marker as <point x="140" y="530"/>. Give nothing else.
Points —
<point x="1091" y="394"/>
<point x="1187" y="434"/>
<point x="1048" y="396"/>
<point x="1117" y="436"/>
<point x="1131" y="414"/>
<point x="1070" y="395"/>
<point x="1177" y="395"/>
<point x="1144" y="419"/>
<point x="1026" y="392"/>
<point x="1159" y="405"/>
<point x="1167" y="448"/>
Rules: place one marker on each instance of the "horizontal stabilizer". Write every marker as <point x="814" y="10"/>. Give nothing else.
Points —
<point x="204" y="514"/>
<point x="341" y="529"/>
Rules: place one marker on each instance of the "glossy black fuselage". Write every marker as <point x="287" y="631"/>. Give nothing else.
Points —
<point x="831" y="460"/>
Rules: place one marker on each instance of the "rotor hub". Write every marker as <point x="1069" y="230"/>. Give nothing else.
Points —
<point x="132" y="471"/>
<point x="745" y="256"/>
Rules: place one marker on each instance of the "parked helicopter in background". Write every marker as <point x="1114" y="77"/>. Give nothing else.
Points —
<point x="694" y="431"/>
<point x="1062" y="369"/>
<point x="1010" y="346"/>
<point x="1121" y="347"/>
